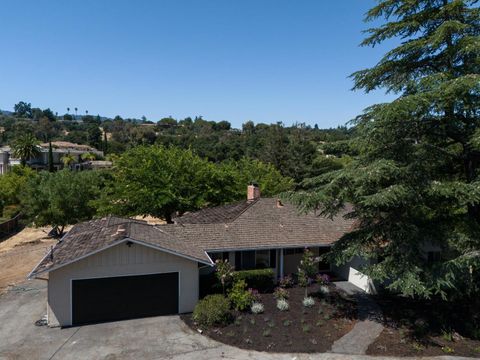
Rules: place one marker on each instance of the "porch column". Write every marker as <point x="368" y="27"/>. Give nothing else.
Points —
<point x="281" y="263"/>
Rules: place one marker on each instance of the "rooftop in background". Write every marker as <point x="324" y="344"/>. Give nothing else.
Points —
<point x="65" y="145"/>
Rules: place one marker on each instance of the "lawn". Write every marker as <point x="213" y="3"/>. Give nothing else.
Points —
<point x="299" y="329"/>
<point x="428" y="328"/>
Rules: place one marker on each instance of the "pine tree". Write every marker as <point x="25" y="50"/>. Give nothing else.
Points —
<point x="51" y="168"/>
<point x="416" y="181"/>
<point x="105" y="142"/>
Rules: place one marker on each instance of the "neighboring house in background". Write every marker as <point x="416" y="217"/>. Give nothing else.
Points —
<point x="4" y="159"/>
<point x="59" y="149"/>
<point x="115" y="268"/>
<point x="94" y="165"/>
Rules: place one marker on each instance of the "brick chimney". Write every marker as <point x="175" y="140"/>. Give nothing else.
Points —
<point x="253" y="192"/>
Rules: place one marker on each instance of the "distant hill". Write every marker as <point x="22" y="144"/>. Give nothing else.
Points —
<point x="75" y="117"/>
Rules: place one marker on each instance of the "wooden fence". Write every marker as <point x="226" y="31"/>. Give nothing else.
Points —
<point x="9" y="227"/>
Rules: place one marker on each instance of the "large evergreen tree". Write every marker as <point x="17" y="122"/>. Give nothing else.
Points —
<point x="416" y="181"/>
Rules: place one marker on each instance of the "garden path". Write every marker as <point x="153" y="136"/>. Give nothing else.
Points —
<point x="368" y="328"/>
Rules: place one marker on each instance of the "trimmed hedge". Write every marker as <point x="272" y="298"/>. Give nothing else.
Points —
<point x="212" y="310"/>
<point x="260" y="279"/>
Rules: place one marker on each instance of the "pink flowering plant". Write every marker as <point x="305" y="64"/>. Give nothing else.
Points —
<point x="254" y="294"/>
<point x="323" y="279"/>
<point x="286" y="281"/>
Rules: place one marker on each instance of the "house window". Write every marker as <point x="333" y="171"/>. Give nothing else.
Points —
<point x="248" y="260"/>
<point x="255" y="259"/>
<point x="273" y="258"/>
<point x="295" y="251"/>
<point x="262" y="259"/>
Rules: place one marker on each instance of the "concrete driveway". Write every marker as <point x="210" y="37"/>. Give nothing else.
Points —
<point x="152" y="338"/>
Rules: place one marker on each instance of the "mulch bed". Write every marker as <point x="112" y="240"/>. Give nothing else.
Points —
<point x="426" y="328"/>
<point x="299" y="329"/>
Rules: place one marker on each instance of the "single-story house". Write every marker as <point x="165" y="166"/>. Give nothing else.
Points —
<point x="115" y="268"/>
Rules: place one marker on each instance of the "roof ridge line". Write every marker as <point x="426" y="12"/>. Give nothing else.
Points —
<point x="251" y="203"/>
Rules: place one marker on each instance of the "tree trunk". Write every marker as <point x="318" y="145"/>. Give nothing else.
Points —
<point x="168" y="218"/>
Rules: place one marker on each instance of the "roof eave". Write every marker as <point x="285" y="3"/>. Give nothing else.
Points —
<point x="34" y="274"/>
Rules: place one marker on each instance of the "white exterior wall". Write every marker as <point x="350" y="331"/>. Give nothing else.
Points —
<point x="119" y="260"/>
<point x="350" y="271"/>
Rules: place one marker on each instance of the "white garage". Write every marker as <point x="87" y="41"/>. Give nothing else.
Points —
<point x="114" y="270"/>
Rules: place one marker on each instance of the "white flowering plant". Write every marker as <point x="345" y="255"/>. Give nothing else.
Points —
<point x="257" y="308"/>
<point x="308" y="301"/>
<point x="282" y="305"/>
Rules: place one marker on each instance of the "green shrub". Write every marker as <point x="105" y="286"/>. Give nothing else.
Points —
<point x="239" y="296"/>
<point x="260" y="279"/>
<point x="212" y="310"/>
<point x="10" y="211"/>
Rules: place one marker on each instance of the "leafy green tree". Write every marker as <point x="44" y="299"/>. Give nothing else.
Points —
<point x="158" y="181"/>
<point x="94" y="135"/>
<point x="167" y="122"/>
<point x="13" y="182"/>
<point x="275" y="149"/>
<point x="23" y="109"/>
<point x="37" y="114"/>
<point x="416" y="181"/>
<point x="246" y="171"/>
<point x="61" y="198"/>
<point x="300" y="153"/>
<point x="45" y="129"/>
<point x="49" y="114"/>
<point x="25" y="148"/>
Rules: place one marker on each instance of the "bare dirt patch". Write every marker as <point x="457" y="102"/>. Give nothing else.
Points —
<point x="25" y="236"/>
<point x="20" y="253"/>
<point x="299" y="329"/>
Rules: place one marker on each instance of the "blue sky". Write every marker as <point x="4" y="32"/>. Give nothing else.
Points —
<point x="260" y="60"/>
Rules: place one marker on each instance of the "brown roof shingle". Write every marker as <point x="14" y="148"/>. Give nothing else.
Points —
<point x="262" y="224"/>
<point x="247" y="225"/>
<point x="88" y="237"/>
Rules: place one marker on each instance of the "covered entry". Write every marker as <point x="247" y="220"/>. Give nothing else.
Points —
<point x="124" y="297"/>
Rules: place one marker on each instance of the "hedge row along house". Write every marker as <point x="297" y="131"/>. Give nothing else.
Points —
<point x="115" y="268"/>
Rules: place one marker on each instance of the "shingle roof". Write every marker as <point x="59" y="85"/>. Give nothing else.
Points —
<point x="260" y="224"/>
<point x="92" y="236"/>
<point x="214" y="215"/>
<point x="247" y="225"/>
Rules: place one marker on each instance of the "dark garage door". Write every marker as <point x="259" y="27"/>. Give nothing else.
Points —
<point x="125" y="297"/>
